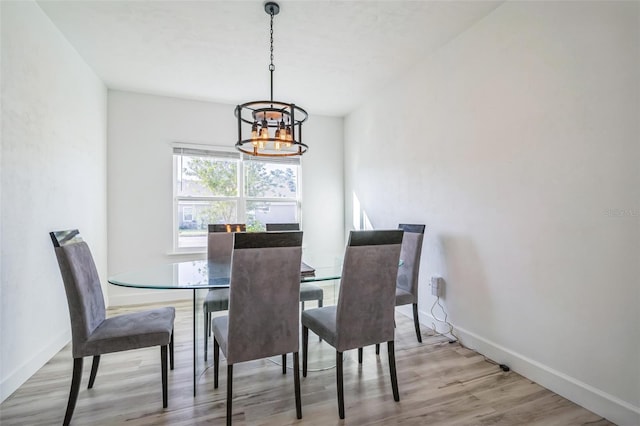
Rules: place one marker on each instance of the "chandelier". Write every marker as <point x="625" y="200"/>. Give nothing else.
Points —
<point x="270" y="128"/>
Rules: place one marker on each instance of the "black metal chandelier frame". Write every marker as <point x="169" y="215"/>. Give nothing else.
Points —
<point x="270" y="128"/>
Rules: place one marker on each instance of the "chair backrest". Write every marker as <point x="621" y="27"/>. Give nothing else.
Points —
<point x="219" y="249"/>
<point x="264" y="295"/>
<point x="410" y="255"/>
<point x="227" y="227"/>
<point x="81" y="284"/>
<point x="283" y="227"/>
<point x="366" y="303"/>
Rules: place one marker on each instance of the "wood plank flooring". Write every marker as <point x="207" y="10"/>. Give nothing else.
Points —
<point x="440" y="384"/>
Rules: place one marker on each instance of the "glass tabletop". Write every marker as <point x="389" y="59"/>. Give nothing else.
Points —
<point x="198" y="274"/>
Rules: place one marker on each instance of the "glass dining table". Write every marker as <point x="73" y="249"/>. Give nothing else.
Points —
<point x="199" y="276"/>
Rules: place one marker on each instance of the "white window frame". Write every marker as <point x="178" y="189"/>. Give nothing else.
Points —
<point x="241" y="198"/>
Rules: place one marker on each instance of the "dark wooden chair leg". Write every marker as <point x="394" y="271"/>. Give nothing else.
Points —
<point x="305" y="349"/>
<point x="392" y="368"/>
<point x="359" y="355"/>
<point x="416" y="322"/>
<point x="94" y="370"/>
<point x="171" y="351"/>
<point x="163" y="362"/>
<point x="229" y="392"/>
<point x="75" y="388"/>
<point x="284" y="363"/>
<point x="216" y="361"/>
<point x="339" y="381"/>
<point x="296" y="380"/>
<point x="206" y="332"/>
<point x="377" y="348"/>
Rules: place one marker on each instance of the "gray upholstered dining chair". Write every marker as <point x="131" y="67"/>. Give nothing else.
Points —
<point x="407" y="283"/>
<point x="308" y="292"/>
<point x="364" y="314"/>
<point x="92" y="334"/>
<point x="219" y="249"/>
<point x="294" y="226"/>
<point x="264" y="305"/>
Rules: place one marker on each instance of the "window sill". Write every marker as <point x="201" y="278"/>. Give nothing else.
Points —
<point x="187" y="253"/>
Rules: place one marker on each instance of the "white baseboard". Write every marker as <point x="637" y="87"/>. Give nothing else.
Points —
<point x="602" y="403"/>
<point x="29" y="367"/>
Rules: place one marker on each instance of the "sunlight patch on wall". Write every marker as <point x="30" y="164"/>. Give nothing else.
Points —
<point x="360" y="219"/>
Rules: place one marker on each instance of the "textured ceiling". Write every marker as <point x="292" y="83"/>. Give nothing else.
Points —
<point x="329" y="55"/>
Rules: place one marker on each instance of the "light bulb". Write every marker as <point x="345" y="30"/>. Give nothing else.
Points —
<point x="254" y="133"/>
<point x="282" y="132"/>
<point x="264" y="132"/>
<point x="289" y="136"/>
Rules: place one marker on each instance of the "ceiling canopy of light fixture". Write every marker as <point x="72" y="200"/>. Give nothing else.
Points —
<point x="270" y="128"/>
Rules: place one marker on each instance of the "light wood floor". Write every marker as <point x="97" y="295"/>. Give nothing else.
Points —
<point x="440" y="384"/>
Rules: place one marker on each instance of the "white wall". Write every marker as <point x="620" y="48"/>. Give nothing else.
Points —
<point x="323" y="190"/>
<point x="141" y="130"/>
<point x="517" y="144"/>
<point x="53" y="177"/>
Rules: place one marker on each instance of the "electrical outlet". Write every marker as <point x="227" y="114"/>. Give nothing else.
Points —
<point x="437" y="286"/>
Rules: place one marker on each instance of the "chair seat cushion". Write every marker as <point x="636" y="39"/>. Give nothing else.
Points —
<point x="403" y="297"/>
<point x="221" y="332"/>
<point x="130" y="331"/>
<point x="217" y="299"/>
<point x="321" y="321"/>
<point x="310" y="291"/>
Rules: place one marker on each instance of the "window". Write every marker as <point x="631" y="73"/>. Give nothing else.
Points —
<point x="217" y="186"/>
<point x="187" y="214"/>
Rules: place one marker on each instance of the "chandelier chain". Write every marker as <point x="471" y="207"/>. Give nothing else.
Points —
<point x="271" y="66"/>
